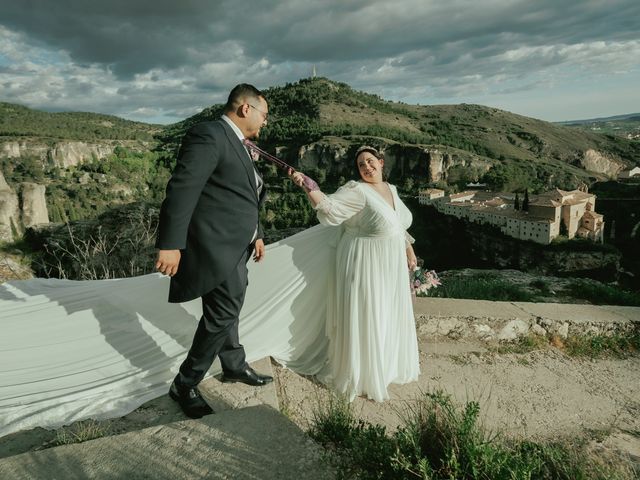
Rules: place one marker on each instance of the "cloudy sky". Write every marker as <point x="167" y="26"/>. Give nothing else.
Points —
<point x="161" y="61"/>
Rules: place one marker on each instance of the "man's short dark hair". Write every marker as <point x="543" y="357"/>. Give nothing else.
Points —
<point x="239" y="93"/>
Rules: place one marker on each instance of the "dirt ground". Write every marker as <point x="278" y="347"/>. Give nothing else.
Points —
<point x="541" y="395"/>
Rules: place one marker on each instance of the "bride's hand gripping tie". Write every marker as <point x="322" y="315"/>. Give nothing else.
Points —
<point x="301" y="180"/>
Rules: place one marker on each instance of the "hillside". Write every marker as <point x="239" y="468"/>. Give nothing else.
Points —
<point x="525" y="152"/>
<point x="90" y="163"/>
<point x="625" y="126"/>
<point x="20" y="121"/>
<point x="87" y="162"/>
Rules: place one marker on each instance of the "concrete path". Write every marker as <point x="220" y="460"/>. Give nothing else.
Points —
<point x="251" y="443"/>
<point x="247" y="438"/>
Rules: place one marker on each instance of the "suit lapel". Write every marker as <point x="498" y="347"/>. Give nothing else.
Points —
<point x="242" y="155"/>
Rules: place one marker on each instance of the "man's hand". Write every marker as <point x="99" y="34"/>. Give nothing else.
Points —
<point x="167" y="262"/>
<point x="258" y="250"/>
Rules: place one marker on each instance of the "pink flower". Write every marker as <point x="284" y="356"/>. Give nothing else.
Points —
<point x="421" y="280"/>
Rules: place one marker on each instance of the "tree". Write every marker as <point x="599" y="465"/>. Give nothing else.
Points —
<point x="525" y="202"/>
<point x="516" y="203"/>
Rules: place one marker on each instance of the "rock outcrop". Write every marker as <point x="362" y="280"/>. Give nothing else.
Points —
<point x="334" y="156"/>
<point x="68" y="154"/>
<point x="20" y="149"/>
<point x="34" y="205"/>
<point x="18" y="212"/>
<point x="65" y="154"/>
<point x="595" y="161"/>
<point x="9" y="212"/>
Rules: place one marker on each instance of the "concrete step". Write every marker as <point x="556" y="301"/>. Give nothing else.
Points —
<point x="162" y="410"/>
<point x="255" y="442"/>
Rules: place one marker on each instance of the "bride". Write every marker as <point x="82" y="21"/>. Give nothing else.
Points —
<point x="370" y="324"/>
<point x="332" y="301"/>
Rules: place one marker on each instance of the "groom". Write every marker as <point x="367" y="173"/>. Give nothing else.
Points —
<point x="208" y="230"/>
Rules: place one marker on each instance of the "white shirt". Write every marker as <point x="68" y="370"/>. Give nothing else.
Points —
<point x="240" y="136"/>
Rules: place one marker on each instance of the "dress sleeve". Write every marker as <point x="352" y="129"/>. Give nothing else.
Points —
<point x="408" y="239"/>
<point x="340" y="206"/>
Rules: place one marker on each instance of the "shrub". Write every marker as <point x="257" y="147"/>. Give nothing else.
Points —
<point x="601" y="294"/>
<point x="480" y="288"/>
<point x="439" y="440"/>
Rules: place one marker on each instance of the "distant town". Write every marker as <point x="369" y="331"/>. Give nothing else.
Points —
<point x="539" y="218"/>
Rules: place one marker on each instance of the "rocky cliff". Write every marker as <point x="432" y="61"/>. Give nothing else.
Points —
<point x="334" y="155"/>
<point x="34" y="205"/>
<point x="65" y="154"/>
<point x="446" y="242"/>
<point x="598" y="162"/>
<point x="22" y="209"/>
<point x="9" y="211"/>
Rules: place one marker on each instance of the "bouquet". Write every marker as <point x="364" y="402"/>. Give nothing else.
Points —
<point x="422" y="280"/>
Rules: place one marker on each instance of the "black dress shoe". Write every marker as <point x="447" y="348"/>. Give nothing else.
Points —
<point x="190" y="401"/>
<point x="248" y="376"/>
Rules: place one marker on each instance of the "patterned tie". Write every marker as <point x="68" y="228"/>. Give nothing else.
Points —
<point x="254" y="156"/>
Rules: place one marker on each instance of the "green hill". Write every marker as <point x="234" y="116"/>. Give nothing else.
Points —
<point x="20" y="121"/>
<point x="504" y="150"/>
<point x="625" y="126"/>
<point x="526" y="152"/>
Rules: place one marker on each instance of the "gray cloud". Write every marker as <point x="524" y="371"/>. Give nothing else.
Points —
<point x="168" y="57"/>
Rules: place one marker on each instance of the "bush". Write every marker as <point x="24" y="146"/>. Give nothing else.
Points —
<point x="480" y="288"/>
<point x="116" y="245"/>
<point x="601" y="294"/>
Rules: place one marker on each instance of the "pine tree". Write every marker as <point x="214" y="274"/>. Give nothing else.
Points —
<point x="516" y="203"/>
<point x="525" y="202"/>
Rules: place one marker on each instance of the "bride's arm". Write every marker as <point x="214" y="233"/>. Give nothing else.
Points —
<point x="314" y="193"/>
<point x="335" y="208"/>
<point x="412" y="261"/>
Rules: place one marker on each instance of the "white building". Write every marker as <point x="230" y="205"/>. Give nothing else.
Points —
<point x="634" y="173"/>
<point x="540" y="224"/>
<point x="428" y="196"/>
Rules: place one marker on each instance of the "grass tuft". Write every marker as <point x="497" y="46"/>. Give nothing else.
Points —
<point x="523" y="344"/>
<point x="598" y="346"/>
<point x="80" y="432"/>
<point x="440" y="440"/>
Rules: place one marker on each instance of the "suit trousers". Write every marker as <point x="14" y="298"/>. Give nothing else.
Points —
<point x="217" y="332"/>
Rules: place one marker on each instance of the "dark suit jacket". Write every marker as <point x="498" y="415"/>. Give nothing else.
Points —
<point x="210" y="211"/>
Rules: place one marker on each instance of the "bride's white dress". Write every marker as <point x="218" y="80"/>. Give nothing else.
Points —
<point x="370" y="324"/>
<point x="71" y="350"/>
